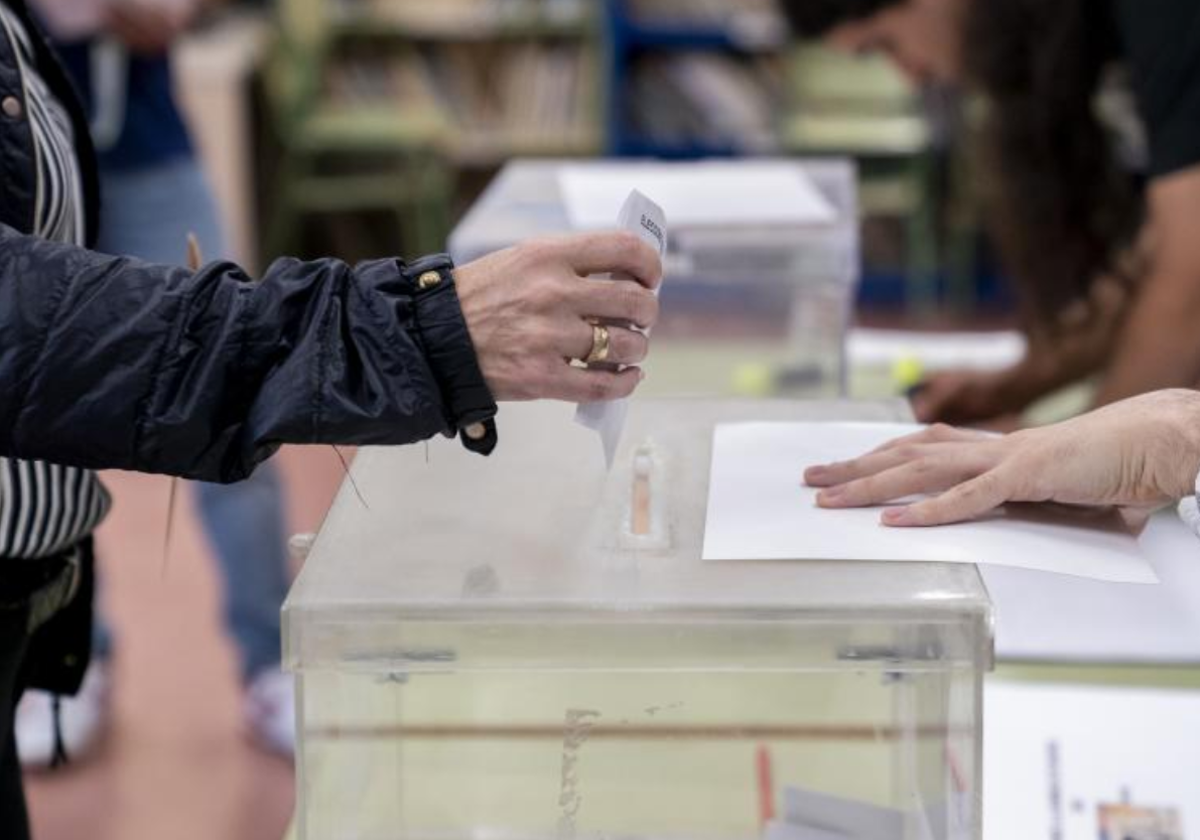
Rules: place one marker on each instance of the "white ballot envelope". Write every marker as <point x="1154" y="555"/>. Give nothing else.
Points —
<point x="759" y="509"/>
<point x="647" y="220"/>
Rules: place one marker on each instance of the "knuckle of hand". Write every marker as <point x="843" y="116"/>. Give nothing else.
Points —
<point x="546" y="342"/>
<point x="991" y="482"/>
<point x="601" y="387"/>
<point x="631" y="303"/>
<point x="627" y="242"/>
<point x="548" y="379"/>
<point x="981" y="488"/>
<point x="923" y="465"/>
<point x="641" y="347"/>
<point x="548" y="291"/>
<point x="653" y="309"/>
<point x="533" y="251"/>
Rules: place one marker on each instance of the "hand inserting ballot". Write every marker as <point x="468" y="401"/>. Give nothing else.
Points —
<point x="531" y="310"/>
<point x="1136" y="455"/>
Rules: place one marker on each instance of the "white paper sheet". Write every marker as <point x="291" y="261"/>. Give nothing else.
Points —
<point x="935" y="351"/>
<point x="1040" y="618"/>
<point x="706" y="194"/>
<point x="1055" y="757"/>
<point x="758" y="509"/>
<point x="645" y="218"/>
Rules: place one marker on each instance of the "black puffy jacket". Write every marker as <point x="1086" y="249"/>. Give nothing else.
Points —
<point x="115" y="363"/>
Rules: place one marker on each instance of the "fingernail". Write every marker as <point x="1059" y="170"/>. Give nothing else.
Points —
<point x="899" y="516"/>
<point x="815" y="473"/>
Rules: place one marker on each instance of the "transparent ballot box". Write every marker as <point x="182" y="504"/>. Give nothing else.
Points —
<point x="531" y="647"/>
<point x="747" y="309"/>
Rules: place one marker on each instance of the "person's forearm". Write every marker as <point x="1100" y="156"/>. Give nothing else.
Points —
<point x="1160" y="345"/>
<point x="1049" y="365"/>
<point x="111" y="363"/>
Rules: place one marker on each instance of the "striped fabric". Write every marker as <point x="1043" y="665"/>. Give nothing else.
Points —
<point x="44" y="508"/>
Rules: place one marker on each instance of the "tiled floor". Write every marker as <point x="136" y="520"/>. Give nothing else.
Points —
<point x="176" y="764"/>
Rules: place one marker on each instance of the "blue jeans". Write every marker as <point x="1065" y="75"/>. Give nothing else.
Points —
<point x="148" y="213"/>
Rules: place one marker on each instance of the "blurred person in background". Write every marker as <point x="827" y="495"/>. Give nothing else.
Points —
<point x="1108" y="273"/>
<point x="115" y="363"/>
<point x="155" y="194"/>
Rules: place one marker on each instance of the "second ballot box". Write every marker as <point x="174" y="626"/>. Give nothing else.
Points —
<point x="749" y="308"/>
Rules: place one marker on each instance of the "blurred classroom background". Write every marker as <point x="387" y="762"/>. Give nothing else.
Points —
<point x="363" y="128"/>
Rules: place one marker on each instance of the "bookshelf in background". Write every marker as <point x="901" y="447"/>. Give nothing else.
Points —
<point x="860" y="107"/>
<point x="372" y="95"/>
<point x="694" y="78"/>
<point x="504" y="78"/>
<point x="720" y="78"/>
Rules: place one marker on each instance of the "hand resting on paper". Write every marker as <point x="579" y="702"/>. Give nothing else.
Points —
<point x="528" y="310"/>
<point x="1136" y="455"/>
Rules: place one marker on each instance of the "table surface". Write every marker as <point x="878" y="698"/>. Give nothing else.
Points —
<point x="548" y="523"/>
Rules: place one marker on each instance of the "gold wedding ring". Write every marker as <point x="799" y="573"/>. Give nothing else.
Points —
<point x="601" y="345"/>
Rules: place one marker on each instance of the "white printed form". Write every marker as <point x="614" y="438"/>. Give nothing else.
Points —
<point x="759" y="509"/>
<point x="645" y="218"/>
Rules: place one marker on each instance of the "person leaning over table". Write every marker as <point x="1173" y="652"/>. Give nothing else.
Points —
<point x="1109" y="282"/>
<point x="112" y="362"/>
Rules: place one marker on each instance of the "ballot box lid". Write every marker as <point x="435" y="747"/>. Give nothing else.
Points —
<point x="526" y="200"/>
<point x="539" y="533"/>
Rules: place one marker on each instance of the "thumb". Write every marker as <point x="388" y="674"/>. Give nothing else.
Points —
<point x="966" y="501"/>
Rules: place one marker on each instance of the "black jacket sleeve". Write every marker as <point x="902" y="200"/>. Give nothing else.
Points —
<point x="114" y="363"/>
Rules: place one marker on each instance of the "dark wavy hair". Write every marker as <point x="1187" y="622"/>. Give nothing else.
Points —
<point x="1061" y="208"/>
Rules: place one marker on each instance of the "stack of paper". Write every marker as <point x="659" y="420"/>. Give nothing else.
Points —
<point x="1049" y="618"/>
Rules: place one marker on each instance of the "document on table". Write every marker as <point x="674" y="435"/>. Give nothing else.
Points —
<point x="707" y="194"/>
<point x="1045" y="619"/>
<point x="1078" y="763"/>
<point x="935" y="351"/>
<point x="758" y="509"/>
<point x="645" y="218"/>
